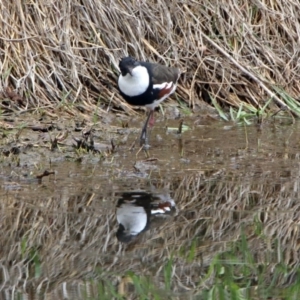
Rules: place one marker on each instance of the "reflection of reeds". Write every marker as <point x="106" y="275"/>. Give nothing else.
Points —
<point x="226" y="224"/>
<point x="67" y="53"/>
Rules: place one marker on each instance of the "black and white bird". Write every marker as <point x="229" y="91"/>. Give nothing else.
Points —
<point x="135" y="209"/>
<point x="146" y="84"/>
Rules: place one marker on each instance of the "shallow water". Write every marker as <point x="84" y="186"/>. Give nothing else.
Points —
<point x="228" y="182"/>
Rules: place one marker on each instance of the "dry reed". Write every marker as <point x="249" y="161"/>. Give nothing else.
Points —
<point x="67" y="52"/>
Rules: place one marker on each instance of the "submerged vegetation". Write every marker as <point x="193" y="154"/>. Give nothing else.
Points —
<point x="64" y="55"/>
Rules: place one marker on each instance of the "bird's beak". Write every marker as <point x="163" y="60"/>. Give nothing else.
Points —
<point x="130" y="69"/>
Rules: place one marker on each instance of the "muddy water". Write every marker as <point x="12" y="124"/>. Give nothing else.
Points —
<point x="59" y="233"/>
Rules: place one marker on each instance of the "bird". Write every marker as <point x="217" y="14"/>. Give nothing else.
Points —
<point x="146" y="84"/>
<point x="134" y="211"/>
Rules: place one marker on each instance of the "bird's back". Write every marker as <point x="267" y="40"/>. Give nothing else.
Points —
<point x="161" y="74"/>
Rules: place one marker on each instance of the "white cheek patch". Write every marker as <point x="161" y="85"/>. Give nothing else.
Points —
<point x="136" y="84"/>
<point x="133" y="218"/>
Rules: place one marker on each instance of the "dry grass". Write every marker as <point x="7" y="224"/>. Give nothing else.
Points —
<point x="67" y="52"/>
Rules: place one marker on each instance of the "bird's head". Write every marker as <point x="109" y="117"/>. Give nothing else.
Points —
<point x="127" y="65"/>
<point x="123" y="235"/>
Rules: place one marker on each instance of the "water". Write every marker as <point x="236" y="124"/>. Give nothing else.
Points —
<point x="236" y="190"/>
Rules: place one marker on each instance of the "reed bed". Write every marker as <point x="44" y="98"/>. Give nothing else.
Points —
<point x="231" y="53"/>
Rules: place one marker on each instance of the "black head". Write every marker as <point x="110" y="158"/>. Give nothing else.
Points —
<point x="127" y="64"/>
<point x="123" y="236"/>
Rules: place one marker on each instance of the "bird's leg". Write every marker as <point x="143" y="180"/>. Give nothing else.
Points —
<point x="144" y="137"/>
<point x="151" y="120"/>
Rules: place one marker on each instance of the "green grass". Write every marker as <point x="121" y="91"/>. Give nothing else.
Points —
<point x="292" y="103"/>
<point x="247" y="114"/>
<point x="233" y="274"/>
<point x="183" y="106"/>
<point x="6" y="74"/>
<point x="32" y="258"/>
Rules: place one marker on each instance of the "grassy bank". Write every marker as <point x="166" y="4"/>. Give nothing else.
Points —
<point x="66" y="53"/>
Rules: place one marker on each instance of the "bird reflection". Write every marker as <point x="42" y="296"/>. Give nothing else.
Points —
<point x="136" y="210"/>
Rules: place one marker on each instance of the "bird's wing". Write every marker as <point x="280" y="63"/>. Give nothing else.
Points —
<point x="161" y="74"/>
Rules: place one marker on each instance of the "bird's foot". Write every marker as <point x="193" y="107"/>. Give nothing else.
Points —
<point x="144" y="138"/>
<point x="144" y="143"/>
